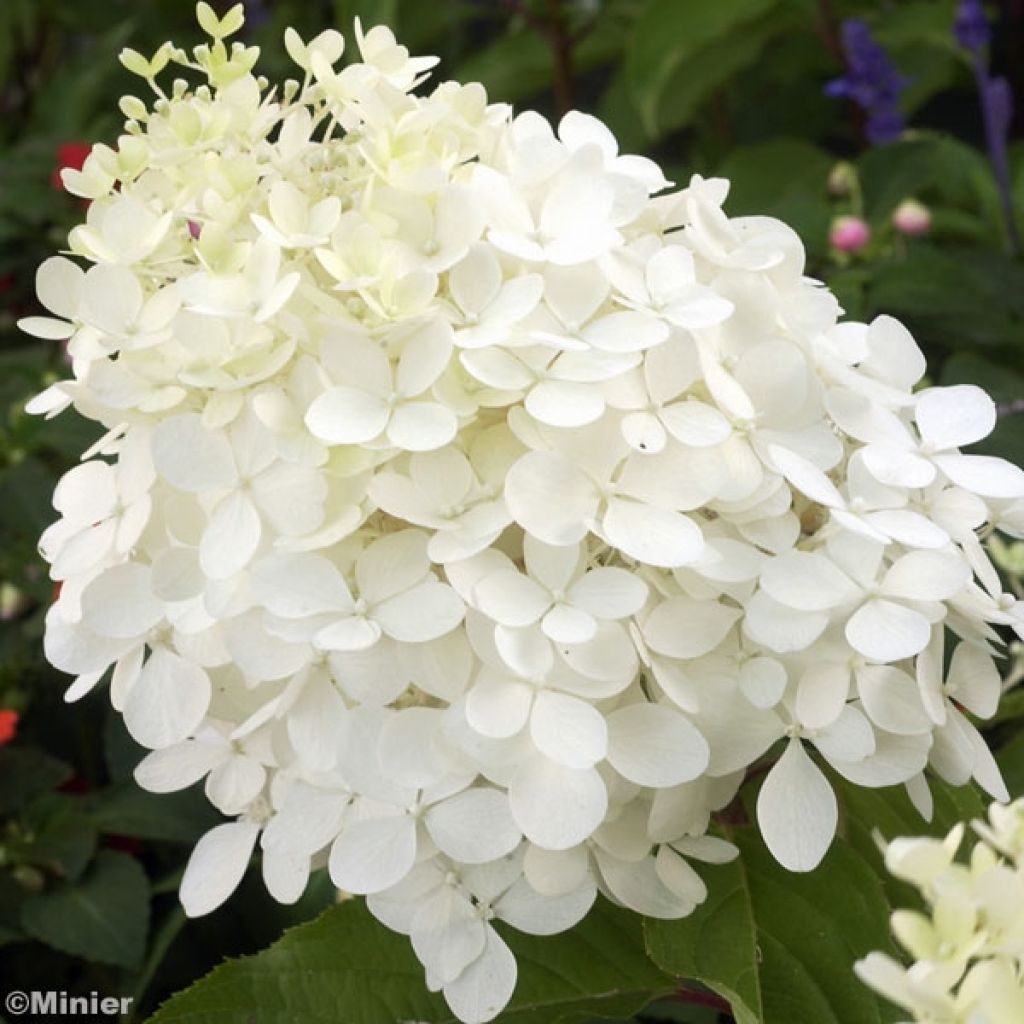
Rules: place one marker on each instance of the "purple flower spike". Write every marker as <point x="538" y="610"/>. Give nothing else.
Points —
<point x="973" y="32"/>
<point x="971" y="27"/>
<point x="872" y="82"/>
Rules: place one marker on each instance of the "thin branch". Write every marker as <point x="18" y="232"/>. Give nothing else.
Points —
<point x="561" y="47"/>
<point x="1012" y="408"/>
<point x="555" y="30"/>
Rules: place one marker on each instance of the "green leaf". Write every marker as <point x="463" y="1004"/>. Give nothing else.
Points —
<point x="938" y="169"/>
<point x="24" y="773"/>
<point x="1011" y="762"/>
<point x="103" y="917"/>
<point x="780" y="946"/>
<point x="918" y="34"/>
<point x="127" y="810"/>
<point x="371" y="12"/>
<point x="347" y="966"/>
<point x="672" y="35"/>
<point x="59" y="836"/>
<point x="953" y="297"/>
<point x="12" y="896"/>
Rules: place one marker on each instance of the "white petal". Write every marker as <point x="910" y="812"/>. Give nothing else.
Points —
<point x="678" y="876"/>
<point x="555" y="872"/>
<point x="779" y="628"/>
<point x="682" y="627"/>
<point x="983" y="474"/>
<point x="609" y="593"/>
<point x="974" y="680"/>
<point x="235" y="783"/>
<point x="423" y="613"/>
<point x="423" y="359"/>
<point x="655" y="746"/>
<point x="626" y="331"/>
<point x="120" y="602"/>
<point x="285" y="874"/>
<point x="315" y="721"/>
<point x="638" y="885"/>
<point x="475" y="280"/>
<point x="190" y="457"/>
<point x="86" y="493"/>
<point x="538" y="914"/>
<point x="652" y="535"/>
<point x="849" y="738"/>
<point x="952" y="417"/>
<point x="347" y="416"/>
<point x="896" y="759"/>
<point x="568" y="730"/>
<point x="553" y="566"/>
<point x="892" y="700"/>
<point x="894" y="465"/>
<point x="527" y="651"/>
<point x="797" y="811"/>
<point x="392" y="565"/>
<point x="179" y="766"/>
<point x="927" y="576"/>
<point x="373" y="854"/>
<point x="168" y="700"/>
<point x="821" y="693"/>
<point x="550" y="497"/>
<point x="474" y="827"/>
<point x="498" y="709"/>
<point x="806" y="581"/>
<point x="231" y="538"/>
<point x="885" y="631"/>
<point x="895" y="356"/>
<point x="59" y="285"/>
<point x="805" y="476"/>
<point x="216" y="866"/>
<point x="421" y="426"/>
<point x="511" y="598"/>
<point x="484" y="988"/>
<point x="643" y="432"/>
<point x="564" y="403"/>
<point x="409" y="750"/>
<point x="695" y="423"/>
<point x="763" y="681"/>
<point x="557" y="807"/>
<point x="298" y="585"/>
<point x="567" y="625"/>
<point x="351" y="633"/>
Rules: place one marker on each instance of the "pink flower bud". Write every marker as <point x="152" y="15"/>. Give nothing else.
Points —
<point x="912" y="218"/>
<point x="849" y="234"/>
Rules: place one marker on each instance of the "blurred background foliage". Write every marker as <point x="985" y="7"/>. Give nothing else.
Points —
<point x="89" y="864"/>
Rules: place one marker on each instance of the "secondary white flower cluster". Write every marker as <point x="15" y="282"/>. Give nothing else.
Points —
<point x="969" y="947"/>
<point x="474" y="509"/>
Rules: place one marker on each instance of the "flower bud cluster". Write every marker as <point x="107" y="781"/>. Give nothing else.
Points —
<point x="968" y="948"/>
<point x="474" y="508"/>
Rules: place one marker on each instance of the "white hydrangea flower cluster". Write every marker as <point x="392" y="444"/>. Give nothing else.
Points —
<point x="969" y="947"/>
<point x="474" y="510"/>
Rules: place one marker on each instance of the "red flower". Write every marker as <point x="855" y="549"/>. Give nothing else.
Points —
<point x="69" y="154"/>
<point x="8" y="725"/>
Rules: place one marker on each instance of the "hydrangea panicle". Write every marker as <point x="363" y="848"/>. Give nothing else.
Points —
<point x="968" y="948"/>
<point x="474" y="507"/>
